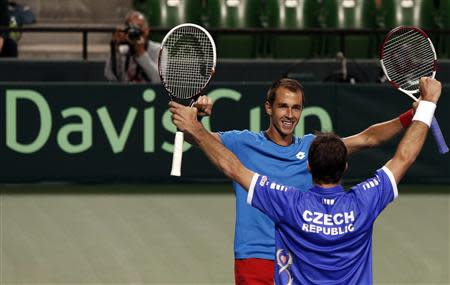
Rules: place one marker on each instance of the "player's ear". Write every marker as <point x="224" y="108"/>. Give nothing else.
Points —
<point x="346" y="167"/>
<point x="268" y="108"/>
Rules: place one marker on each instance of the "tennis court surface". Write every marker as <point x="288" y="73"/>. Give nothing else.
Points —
<point x="183" y="234"/>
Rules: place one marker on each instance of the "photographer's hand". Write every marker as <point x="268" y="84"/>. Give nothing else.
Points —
<point x="2" y="40"/>
<point x="119" y="35"/>
<point x="139" y="46"/>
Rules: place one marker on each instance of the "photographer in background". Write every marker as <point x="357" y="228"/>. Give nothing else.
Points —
<point x="133" y="58"/>
<point x="8" y="47"/>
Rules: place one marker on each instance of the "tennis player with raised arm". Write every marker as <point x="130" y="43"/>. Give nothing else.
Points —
<point x="324" y="235"/>
<point x="276" y="151"/>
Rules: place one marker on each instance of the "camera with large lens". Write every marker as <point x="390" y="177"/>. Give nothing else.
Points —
<point x="133" y="32"/>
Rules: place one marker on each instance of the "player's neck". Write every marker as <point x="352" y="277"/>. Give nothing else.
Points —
<point x="278" y="138"/>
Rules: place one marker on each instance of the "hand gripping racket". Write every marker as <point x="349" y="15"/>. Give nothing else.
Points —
<point x="407" y="54"/>
<point x="186" y="63"/>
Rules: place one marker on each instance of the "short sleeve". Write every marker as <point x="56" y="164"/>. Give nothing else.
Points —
<point x="231" y="138"/>
<point x="377" y="192"/>
<point x="271" y="198"/>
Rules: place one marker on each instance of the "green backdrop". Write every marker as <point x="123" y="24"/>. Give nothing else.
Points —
<point x="113" y="132"/>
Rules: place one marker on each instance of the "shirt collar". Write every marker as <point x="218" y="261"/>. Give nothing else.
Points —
<point x="327" y="191"/>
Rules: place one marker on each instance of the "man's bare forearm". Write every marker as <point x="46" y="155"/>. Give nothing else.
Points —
<point x="374" y="135"/>
<point x="413" y="140"/>
<point x="408" y="149"/>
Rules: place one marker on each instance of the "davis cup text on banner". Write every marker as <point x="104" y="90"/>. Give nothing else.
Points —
<point x="116" y="131"/>
<point x="94" y="132"/>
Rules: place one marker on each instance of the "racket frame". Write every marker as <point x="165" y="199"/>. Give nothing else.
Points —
<point x="166" y="37"/>
<point x="436" y="131"/>
<point x="179" y="136"/>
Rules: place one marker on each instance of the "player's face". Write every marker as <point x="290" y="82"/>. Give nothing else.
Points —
<point x="285" y="111"/>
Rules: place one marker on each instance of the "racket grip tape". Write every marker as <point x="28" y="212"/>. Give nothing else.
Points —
<point x="439" y="138"/>
<point x="177" y="154"/>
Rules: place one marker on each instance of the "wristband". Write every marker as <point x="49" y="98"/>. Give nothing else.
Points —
<point x="406" y="118"/>
<point x="425" y="112"/>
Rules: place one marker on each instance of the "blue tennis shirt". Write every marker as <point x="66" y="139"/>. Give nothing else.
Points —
<point x="254" y="231"/>
<point x="323" y="236"/>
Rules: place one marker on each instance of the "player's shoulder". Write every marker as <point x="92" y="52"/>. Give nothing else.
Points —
<point x="239" y="134"/>
<point x="376" y="192"/>
<point x="268" y="183"/>
<point x="382" y="178"/>
<point x="239" y="137"/>
<point x="306" y="140"/>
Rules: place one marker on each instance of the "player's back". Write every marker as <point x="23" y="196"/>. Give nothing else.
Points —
<point x="333" y="241"/>
<point x="324" y="235"/>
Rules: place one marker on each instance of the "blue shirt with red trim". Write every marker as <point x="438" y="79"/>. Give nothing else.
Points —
<point x="254" y="231"/>
<point x="323" y="236"/>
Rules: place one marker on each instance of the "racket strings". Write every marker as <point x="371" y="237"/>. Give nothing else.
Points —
<point x="421" y="51"/>
<point x="425" y="71"/>
<point x="184" y="50"/>
<point x="410" y="81"/>
<point x="187" y="62"/>
<point x="408" y="55"/>
<point x="404" y="37"/>
<point x="417" y="46"/>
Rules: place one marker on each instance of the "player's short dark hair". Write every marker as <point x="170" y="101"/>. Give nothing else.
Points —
<point x="327" y="158"/>
<point x="290" y="84"/>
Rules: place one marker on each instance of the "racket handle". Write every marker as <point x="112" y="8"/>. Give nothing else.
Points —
<point x="177" y="154"/>
<point x="438" y="137"/>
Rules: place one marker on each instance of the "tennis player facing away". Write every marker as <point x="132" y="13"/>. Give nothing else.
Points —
<point x="324" y="235"/>
<point x="278" y="152"/>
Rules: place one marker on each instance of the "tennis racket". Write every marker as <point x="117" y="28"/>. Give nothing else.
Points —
<point x="186" y="63"/>
<point x="407" y="54"/>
